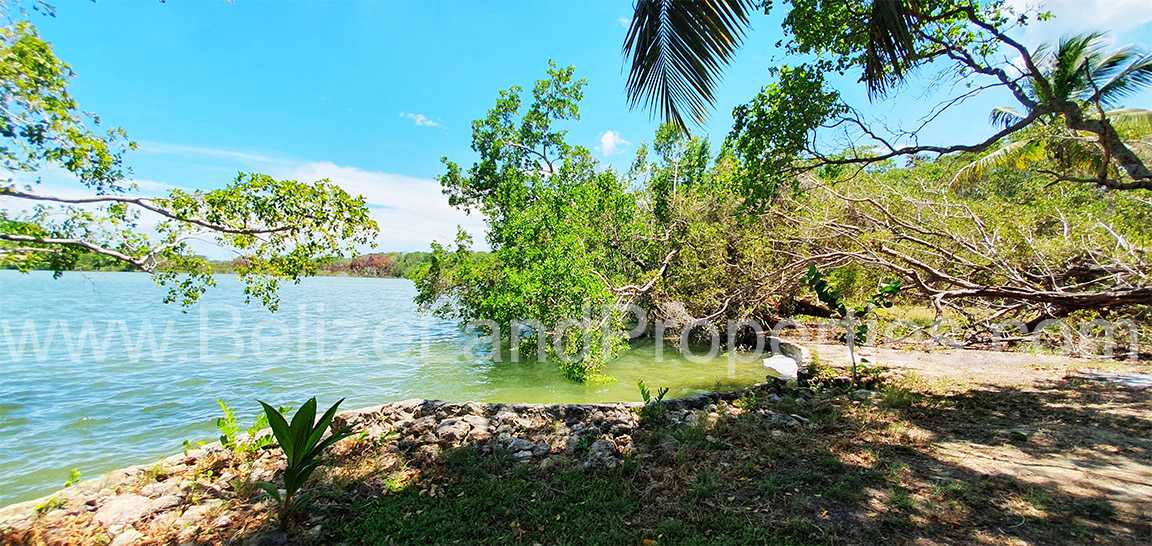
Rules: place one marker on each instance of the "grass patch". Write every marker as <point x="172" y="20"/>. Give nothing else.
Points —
<point x="852" y="473"/>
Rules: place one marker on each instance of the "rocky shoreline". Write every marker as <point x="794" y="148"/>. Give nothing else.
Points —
<point x="205" y="494"/>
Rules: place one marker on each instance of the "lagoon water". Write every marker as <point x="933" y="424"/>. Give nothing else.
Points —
<point x="97" y="373"/>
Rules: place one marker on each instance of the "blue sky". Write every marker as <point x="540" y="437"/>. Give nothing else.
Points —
<point x="373" y="93"/>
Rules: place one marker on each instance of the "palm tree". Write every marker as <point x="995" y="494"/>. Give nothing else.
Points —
<point x="680" y="47"/>
<point x="1081" y="72"/>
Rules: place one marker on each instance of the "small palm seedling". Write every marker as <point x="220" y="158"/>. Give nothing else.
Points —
<point x="303" y="442"/>
<point x="652" y="411"/>
<point x="856" y="332"/>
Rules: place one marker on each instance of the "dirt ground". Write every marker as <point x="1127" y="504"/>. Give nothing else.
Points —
<point x="1083" y="427"/>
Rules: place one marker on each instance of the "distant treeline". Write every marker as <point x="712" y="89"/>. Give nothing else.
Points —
<point x="88" y="261"/>
<point x="381" y="264"/>
<point x="378" y="264"/>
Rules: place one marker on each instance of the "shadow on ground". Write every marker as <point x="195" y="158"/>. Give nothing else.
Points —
<point x="911" y="467"/>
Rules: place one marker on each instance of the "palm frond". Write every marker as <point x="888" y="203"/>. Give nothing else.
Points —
<point x="1105" y="65"/>
<point x="891" y="44"/>
<point x="1002" y="116"/>
<point x="1067" y="76"/>
<point x="1135" y="76"/>
<point x="1011" y="154"/>
<point x="678" y="50"/>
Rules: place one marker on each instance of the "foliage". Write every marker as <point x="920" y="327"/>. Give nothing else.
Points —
<point x="972" y="249"/>
<point x="883" y="42"/>
<point x="654" y="409"/>
<point x="302" y="442"/>
<point x="239" y="441"/>
<point x="73" y="477"/>
<point x="835" y="300"/>
<point x="554" y="225"/>
<point x="401" y="265"/>
<point x="772" y="132"/>
<point x="49" y="504"/>
<point x="855" y="332"/>
<point x="281" y="228"/>
<point x="1079" y="70"/>
<point x="42" y="124"/>
<point x="677" y="50"/>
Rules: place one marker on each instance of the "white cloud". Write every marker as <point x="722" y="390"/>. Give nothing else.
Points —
<point x="624" y="22"/>
<point x="199" y="151"/>
<point x="420" y="120"/>
<point x="412" y="212"/>
<point x="611" y="140"/>
<point x="1078" y="16"/>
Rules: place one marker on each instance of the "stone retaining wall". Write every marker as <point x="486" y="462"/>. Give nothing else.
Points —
<point x="184" y="496"/>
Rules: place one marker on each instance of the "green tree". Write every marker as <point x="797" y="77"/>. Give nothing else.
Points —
<point x="1080" y="70"/>
<point x="281" y="229"/>
<point x="562" y="232"/>
<point x="679" y="48"/>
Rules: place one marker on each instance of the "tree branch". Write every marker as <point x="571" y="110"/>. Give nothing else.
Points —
<point x="147" y="204"/>
<point x="145" y="264"/>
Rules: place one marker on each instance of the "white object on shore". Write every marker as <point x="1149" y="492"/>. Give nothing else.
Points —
<point x="782" y="367"/>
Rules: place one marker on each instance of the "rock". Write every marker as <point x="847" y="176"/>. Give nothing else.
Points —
<point x="782" y="367"/>
<point x="164" y="522"/>
<point x="268" y="538"/>
<point x="123" y="509"/>
<point x="197" y="513"/>
<point x="223" y="521"/>
<point x="453" y="431"/>
<point x="541" y="449"/>
<point x="624" y="444"/>
<point x="427" y="453"/>
<point x="410" y="405"/>
<point x="127" y="537"/>
<point x="779" y="420"/>
<point x="863" y="395"/>
<point x="520" y="444"/>
<point x="261" y="474"/>
<point x="474" y="409"/>
<point x="778" y="434"/>
<point x="422" y="425"/>
<point x="601" y="454"/>
<point x="572" y="443"/>
<point x="479" y="435"/>
<point x="157" y="489"/>
<point x="508" y="421"/>
<point x="791" y="350"/>
<point x="522" y="456"/>
<point x="164" y="503"/>
<point x="1020" y="434"/>
<point x="477" y="422"/>
<point x="549" y="463"/>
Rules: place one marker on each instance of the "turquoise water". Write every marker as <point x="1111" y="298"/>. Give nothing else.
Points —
<point x="96" y="373"/>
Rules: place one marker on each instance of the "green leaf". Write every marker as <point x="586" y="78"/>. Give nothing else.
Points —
<point x="322" y="425"/>
<point x="281" y="430"/>
<point x="301" y="427"/>
<point x="270" y="489"/>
